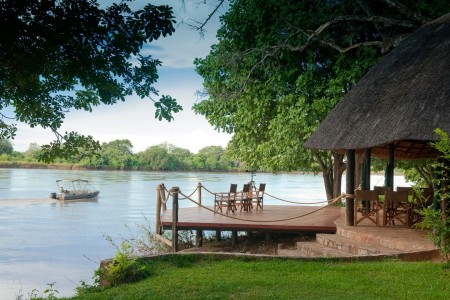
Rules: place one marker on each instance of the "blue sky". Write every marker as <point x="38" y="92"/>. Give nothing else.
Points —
<point x="134" y="119"/>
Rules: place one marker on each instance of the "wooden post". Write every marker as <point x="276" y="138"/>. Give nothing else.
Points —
<point x="199" y="189"/>
<point x="163" y="197"/>
<point x="158" y="209"/>
<point x="199" y="234"/>
<point x="218" y="235"/>
<point x="199" y="238"/>
<point x="350" y="188"/>
<point x="391" y="166"/>
<point x="174" y="192"/>
<point x="367" y="163"/>
<point x="234" y="238"/>
<point x="358" y="158"/>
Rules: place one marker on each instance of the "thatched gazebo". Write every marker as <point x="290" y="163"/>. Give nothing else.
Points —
<point x="395" y="108"/>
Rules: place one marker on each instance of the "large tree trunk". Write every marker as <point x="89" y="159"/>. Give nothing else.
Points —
<point x="333" y="167"/>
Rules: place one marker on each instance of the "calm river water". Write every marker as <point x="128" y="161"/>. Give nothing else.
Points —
<point x="44" y="241"/>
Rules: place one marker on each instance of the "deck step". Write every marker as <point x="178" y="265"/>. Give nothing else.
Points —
<point x="400" y="239"/>
<point x="291" y="253"/>
<point x="314" y="249"/>
<point x="352" y="246"/>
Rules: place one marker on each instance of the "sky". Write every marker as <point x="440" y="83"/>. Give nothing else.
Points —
<point x="134" y="119"/>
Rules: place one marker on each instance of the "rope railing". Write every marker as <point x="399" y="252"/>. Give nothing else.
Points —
<point x="266" y="221"/>
<point x="294" y="202"/>
<point x="266" y="194"/>
<point x="164" y="194"/>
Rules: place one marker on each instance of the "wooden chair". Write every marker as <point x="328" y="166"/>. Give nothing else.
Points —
<point x="244" y="199"/>
<point x="408" y="189"/>
<point x="227" y="199"/>
<point x="366" y="205"/>
<point x="396" y="208"/>
<point x="258" y="196"/>
<point x="381" y="190"/>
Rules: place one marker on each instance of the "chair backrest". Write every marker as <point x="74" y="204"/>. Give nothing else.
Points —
<point x="397" y="196"/>
<point x="366" y="195"/>
<point x="246" y="188"/>
<point x="381" y="189"/>
<point x="407" y="189"/>
<point x="233" y="188"/>
<point x="262" y="188"/>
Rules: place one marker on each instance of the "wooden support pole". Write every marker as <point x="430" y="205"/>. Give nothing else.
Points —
<point x="199" y="238"/>
<point x="390" y="182"/>
<point x="158" y="209"/>
<point x="358" y="159"/>
<point x="199" y="190"/>
<point x="218" y="235"/>
<point x="163" y="197"/>
<point x="199" y="234"/>
<point x="350" y="188"/>
<point x="234" y="238"/>
<point x="367" y="163"/>
<point x="174" y="192"/>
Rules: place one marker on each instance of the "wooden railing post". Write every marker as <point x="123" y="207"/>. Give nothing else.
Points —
<point x="199" y="234"/>
<point x="158" y="209"/>
<point x="174" y="192"/>
<point x="199" y="189"/>
<point x="163" y="197"/>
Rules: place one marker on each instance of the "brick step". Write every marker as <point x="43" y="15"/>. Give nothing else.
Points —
<point x="352" y="246"/>
<point x="400" y="239"/>
<point x="314" y="249"/>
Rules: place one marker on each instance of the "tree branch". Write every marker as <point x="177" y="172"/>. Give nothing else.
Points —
<point x="201" y="27"/>
<point x="406" y="11"/>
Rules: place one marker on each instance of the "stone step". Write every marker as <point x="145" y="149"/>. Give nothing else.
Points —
<point x="291" y="253"/>
<point x="352" y="246"/>
<point x="314" y="249"/>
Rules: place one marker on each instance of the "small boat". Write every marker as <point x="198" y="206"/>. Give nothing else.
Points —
<point x="74" y="189"/>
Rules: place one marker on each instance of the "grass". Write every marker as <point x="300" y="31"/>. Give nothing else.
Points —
<point x="195" y="277"/>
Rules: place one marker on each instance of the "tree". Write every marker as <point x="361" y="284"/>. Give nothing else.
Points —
<point x="62" y="55"/>
<point x="33" y="152"/>
<point x="6" y="147"/>
<point x="211" y="158"/>
<point x="117" y="154"/>
<point x="155" y="158"/>
<point x="280" y="66"/>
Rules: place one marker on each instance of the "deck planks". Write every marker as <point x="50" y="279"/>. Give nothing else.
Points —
<point x="272" y="218"/>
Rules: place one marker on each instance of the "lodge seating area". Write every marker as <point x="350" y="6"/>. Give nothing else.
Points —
<point x="247" y="199"/>
<point x="384" y="207"/>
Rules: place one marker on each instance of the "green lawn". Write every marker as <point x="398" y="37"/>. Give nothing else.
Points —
<point x="191" y="277"/>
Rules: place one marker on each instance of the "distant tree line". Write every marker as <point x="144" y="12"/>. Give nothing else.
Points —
<point x="118" y="155"/>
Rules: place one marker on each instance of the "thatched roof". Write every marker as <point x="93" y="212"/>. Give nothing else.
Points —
<point x="401" y="100"/>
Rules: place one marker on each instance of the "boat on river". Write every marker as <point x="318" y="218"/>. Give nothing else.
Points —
<point x="74" y="189"/>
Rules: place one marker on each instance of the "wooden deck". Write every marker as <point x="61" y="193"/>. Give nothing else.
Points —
<point x="272" y="218"/>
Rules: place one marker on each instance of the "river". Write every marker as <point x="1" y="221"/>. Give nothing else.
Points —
<point x="45" y="241"/>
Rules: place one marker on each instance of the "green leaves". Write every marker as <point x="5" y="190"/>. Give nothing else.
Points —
<point x="165" y="106"/>
<point x="68" y="146"/>
<point x="61" y="55"/>
<point x="279" y="68"/>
